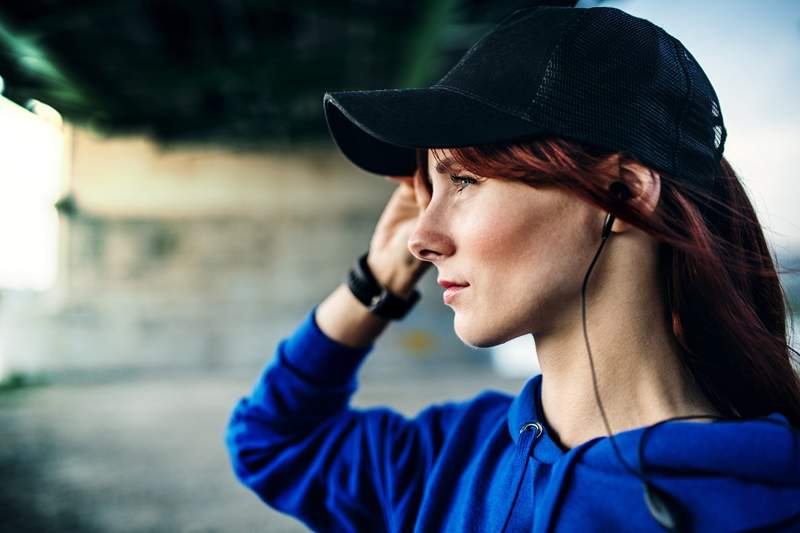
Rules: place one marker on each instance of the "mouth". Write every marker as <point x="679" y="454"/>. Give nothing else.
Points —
<point x="452" y="291"/>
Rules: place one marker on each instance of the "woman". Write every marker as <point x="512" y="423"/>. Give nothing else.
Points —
<point x="667" y="398"/>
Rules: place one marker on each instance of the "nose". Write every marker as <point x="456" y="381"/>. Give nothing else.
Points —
<point x="429" y="241"/>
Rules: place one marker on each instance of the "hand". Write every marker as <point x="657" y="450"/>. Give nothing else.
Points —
<point x="389" y="257"/>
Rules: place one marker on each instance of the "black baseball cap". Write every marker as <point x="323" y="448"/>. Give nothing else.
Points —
<point x="596" y="75"/>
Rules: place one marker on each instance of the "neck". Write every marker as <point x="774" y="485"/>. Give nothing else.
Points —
<point x="640" y="378"/>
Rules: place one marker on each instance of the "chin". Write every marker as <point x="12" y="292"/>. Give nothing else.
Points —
<point x="478" y="338"/>
<point x="483" y="333"/>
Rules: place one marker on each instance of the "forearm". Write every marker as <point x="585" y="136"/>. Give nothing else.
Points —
<point x="347" y="321"/>
<point x="299" y="408"/>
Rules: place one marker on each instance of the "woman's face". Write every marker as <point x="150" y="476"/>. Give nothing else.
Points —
<point x="523" y="252"/>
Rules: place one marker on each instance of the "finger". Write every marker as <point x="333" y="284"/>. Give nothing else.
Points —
<point x="421" y="191"/>
<point x="404" y="183"/>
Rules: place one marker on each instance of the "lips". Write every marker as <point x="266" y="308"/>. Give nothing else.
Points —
<point x="447" y="283"/>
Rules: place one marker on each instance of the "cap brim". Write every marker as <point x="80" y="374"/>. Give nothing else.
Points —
<point x="380" y="130"/>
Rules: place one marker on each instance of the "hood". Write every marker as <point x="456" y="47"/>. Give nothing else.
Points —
<point x="728" y="475"/>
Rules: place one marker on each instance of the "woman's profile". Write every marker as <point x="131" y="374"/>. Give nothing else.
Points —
<point x="566" y="179"/>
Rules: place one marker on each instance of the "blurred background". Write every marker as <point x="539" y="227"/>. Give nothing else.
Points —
<point x="171" y="206"/>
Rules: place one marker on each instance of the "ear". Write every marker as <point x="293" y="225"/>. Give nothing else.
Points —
<point x="645" y="187"/>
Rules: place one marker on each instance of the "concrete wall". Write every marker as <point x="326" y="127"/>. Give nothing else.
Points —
<point x="203" y="258"/>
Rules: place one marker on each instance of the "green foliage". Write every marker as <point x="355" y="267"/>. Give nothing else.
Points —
<point x="20" y="380"/>
<point x="251" y="72"/>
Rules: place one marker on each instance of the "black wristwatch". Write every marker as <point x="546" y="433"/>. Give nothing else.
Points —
<point x="375" y="296"/>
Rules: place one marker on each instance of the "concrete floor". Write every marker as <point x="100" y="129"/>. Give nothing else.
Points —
<point x="146" y="453"/>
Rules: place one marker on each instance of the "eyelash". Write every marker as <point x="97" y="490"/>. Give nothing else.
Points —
<point x="455" y="179"/>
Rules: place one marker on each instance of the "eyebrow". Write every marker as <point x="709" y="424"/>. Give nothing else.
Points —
<point x="444" y="164"/>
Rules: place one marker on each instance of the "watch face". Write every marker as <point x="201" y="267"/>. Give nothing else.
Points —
<point x="377" y="300"/>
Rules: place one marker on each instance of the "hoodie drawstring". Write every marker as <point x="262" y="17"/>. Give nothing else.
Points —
<point x="528" y="434"/>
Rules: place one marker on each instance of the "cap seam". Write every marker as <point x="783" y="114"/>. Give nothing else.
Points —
<point x="469" y="53"/>
<point x="567" y="31"/>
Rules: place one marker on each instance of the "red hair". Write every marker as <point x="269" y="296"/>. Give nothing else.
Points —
<point x="728" y="308"/>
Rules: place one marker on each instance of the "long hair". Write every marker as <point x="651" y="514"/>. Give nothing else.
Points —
<point x="727" y="307"/>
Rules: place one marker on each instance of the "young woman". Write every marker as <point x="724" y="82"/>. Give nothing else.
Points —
<point x="567" y="176"/>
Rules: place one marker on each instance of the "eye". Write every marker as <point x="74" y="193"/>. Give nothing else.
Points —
<point x="456" y="179"/>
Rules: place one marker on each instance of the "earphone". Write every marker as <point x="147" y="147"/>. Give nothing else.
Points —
<point x="663" y="507"/>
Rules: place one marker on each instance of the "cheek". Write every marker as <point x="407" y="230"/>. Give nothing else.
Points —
<point x="487" y="238"/>
<point x="505" y="258"/>
<point x="537" y="247"/>
<point x="511" y="234"/>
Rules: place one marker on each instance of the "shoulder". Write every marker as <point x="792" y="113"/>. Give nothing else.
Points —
<point x="707" y="466"/>
<point x="764" y="450"/>
<point x="488" y="403"/>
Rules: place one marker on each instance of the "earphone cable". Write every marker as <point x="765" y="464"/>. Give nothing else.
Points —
<point x="589" y="351"/>
<point x="663" y="507"/>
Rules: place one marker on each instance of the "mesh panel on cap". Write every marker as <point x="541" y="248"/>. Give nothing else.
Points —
<point x="617" y="82"/>
<point x="702" y="130"/>
<point x="610" y="88"/>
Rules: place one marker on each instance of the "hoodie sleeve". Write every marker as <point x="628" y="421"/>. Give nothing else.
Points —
<point x="299" y="445"/>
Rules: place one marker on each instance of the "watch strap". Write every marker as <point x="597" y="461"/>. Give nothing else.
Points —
<point x="377" y="298"/>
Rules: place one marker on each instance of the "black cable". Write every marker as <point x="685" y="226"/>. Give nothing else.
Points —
<point x="662" y="506"/>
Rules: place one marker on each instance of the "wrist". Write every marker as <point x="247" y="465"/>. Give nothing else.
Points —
<point x="344" y="319"/>
<point x="399" y="281"/>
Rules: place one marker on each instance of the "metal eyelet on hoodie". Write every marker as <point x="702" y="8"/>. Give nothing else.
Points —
<point x="530" y="425"/>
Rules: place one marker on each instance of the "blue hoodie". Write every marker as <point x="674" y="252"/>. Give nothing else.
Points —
<point x="487" y="464"/>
